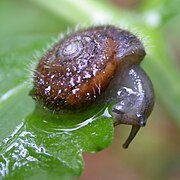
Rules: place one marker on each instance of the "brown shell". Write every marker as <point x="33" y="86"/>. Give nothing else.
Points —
<point x="79" y="68"/>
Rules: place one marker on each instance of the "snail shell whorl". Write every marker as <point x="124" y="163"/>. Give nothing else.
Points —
<point x="79" y="68"/>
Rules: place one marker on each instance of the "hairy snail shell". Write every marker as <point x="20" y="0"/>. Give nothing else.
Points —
<point x="96" y="62"/>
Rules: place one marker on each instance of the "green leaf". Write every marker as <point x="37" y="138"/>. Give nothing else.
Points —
<point x="51" y="144"/>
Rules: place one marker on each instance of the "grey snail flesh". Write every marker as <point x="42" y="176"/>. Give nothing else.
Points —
<point x="96" y="64"/>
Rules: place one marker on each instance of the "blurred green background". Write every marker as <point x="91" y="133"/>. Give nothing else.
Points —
<point x="155" y="153"/>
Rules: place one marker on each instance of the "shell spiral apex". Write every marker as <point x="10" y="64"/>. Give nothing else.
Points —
<point x="96" y="62"/>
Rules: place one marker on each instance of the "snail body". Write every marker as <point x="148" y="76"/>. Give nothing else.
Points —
<point x="96" y="64"/>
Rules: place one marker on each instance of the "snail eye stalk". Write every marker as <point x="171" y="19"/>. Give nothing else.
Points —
<point x="131" y="136"/>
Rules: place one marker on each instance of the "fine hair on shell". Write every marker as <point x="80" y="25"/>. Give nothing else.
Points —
<point x="32" y="64"/>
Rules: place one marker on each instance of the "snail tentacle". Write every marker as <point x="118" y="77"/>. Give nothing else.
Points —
<point x="131" y="136"/>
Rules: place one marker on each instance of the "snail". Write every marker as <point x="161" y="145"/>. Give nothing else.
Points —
<point x="97" y="64"/>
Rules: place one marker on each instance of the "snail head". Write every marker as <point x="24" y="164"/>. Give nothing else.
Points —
<point x="135" y="100"/>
